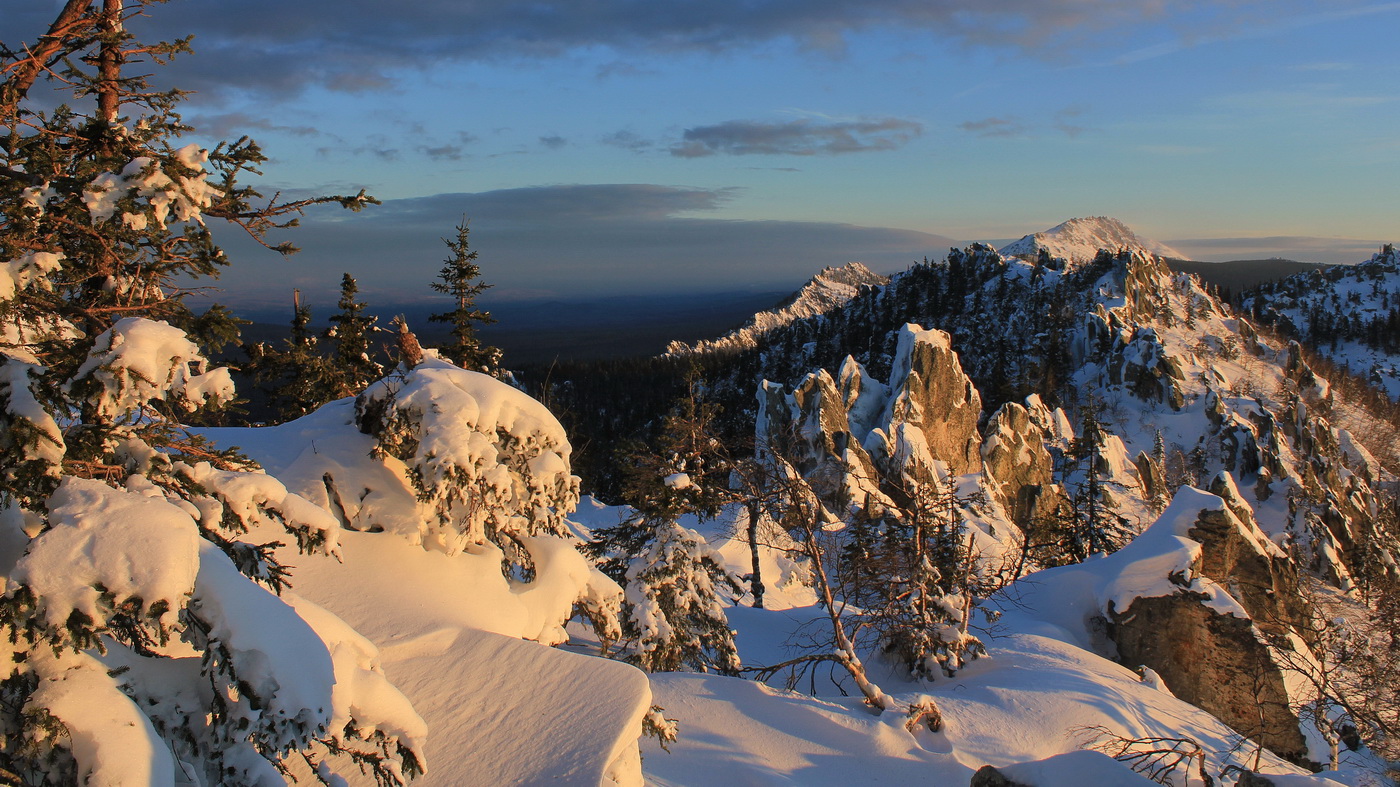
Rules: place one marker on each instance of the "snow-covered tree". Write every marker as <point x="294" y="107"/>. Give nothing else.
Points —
<point x="142" y="637"/>
<point x="924" y="598"/>
<point x="673" y="614"/>
<point x="487" y="462"/>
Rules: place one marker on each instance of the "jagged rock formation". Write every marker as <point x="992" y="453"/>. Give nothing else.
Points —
<point x="1167" y="367"/>
<point x="1018" y="467"/>
<point x="829" y="289"/>
<point x="1079" y="241"/>
<point x="1170" y="375"/>
<point x="845" y="437"/>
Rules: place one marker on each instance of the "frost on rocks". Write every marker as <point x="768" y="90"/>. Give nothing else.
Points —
<point x="486" y="461"/>
<point x="139" y="360"/>
<point x="107" y="552"/>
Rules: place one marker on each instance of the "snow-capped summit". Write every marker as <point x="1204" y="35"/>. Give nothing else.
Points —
<point x="832" y="287"/>
<point x="1079" y="240"/>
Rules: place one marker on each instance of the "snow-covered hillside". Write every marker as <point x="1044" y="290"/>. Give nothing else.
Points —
<point x="1079" y="240"/>
<point x="1349" y="312"/>
<point x="829" y="289"/>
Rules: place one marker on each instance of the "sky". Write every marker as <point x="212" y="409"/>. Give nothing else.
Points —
<point x="636" y="146"/>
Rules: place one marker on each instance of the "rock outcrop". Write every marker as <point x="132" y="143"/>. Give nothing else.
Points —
<point x="928" y="389"/>
<point x="1018" y="468"/>
<point x="1202" y="626"/>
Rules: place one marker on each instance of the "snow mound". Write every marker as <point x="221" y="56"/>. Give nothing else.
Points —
<point x="482" y="458"/>
<point x="1079" y="241"/>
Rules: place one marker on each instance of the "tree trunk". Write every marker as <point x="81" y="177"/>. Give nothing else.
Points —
<point x="756" y="575"/>
<point x="845" y="650"/>
<point x="109" y="69"/>
<point x="69" y="24"/>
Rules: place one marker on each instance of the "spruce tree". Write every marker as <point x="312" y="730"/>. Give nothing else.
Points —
<point x="297" y="377"/>
<point x="122" y="530"/>
<point x="673" y="615"/>
<point x="352" y="360"/>
<point x="460" y="278"/>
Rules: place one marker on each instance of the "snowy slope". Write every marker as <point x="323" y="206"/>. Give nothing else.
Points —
<point x="829" y="289"/>
<point x="1029" y="700"/>
<point x="1351" y="313"/>
<point x="1079" y="240"/>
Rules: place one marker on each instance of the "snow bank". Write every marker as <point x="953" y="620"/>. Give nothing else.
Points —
<point x="270" y="653"/>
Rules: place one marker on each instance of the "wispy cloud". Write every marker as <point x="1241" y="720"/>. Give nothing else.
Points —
<point x="354" y="45"/>
<point x="1063" y="121"/>
<point x="804" y="137"/>
<point x="1305" y="248"/>
<point x="628" y="140"/>
<point x="994" y="127"/>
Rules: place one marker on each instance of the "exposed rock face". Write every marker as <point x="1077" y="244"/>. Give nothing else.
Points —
<point x="847" y="435"/>
<point x="1216" y="662"/>
<point x="1208" y="653"/>
<point x="929" y="390"/>
<point x="1019" y="469"/>
<point x="987" y="776"/>
<point x="1240" y="558"/>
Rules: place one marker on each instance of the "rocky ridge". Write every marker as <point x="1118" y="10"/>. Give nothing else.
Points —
<point x="829" y="289"/>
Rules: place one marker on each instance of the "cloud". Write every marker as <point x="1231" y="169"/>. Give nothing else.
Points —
<point x="355" y="45"/>
<point x="804" y="137"/>
<point x="1013" y="126"/>
<point x="235" y="124"/>
<point x="628" y="140"/>
<point x="994" y="127"/>
<point x="553" y="141"/>
<point x="563" y="240"/>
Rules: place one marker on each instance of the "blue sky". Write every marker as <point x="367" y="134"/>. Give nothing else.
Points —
<point x="639" y="145"/>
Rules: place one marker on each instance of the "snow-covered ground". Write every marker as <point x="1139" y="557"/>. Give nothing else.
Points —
<point x="501" y="710"/>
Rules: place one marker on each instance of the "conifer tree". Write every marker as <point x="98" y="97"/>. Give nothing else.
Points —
<point x="1094" y="525"/>
<point x="352" y="360"/>
<point x="101" y="217"/>
<point x="460" y="278"/>
<point x="297" y="377"/>
<point x="672" y="609"/>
